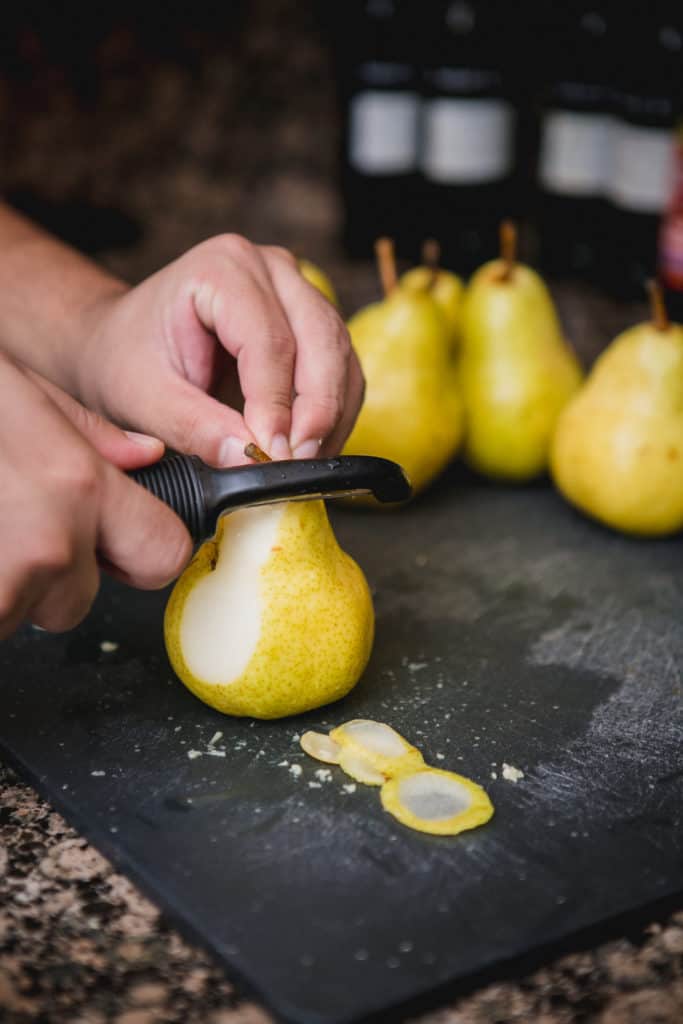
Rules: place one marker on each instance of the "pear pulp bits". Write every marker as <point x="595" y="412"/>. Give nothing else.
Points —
<point x="423" y="798"/>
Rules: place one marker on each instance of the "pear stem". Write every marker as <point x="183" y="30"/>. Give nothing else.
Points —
<point x="386" y="264"/>
<point x="252" y="451"/>
<point x="508" y="248"/>
<point x="431" y="254"/>
<point x="660" y="317"/>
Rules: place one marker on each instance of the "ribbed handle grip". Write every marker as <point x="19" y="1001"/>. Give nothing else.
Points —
<point x="176" y="481"/>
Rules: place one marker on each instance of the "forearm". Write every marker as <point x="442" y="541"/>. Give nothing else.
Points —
<point x="49" y="299"/>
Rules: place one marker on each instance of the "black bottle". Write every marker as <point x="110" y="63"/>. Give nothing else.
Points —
<point x="574" y="41"/>
<point x="641" y="174"/>
<point x="378" y="83"/>
<point x="467" y="145"/>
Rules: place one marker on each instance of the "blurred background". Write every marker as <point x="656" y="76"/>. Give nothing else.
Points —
<point x="135" y="131"/>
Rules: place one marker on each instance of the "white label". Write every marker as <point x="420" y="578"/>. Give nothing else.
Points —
<point x="467" y="141"/>
<point x="642" y="168"/>
<point x="383" y="132"/>
<point x="575" y="153"/>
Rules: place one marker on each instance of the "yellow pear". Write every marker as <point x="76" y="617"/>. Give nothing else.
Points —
<point x="319" y="279"/>
<point x="617" y="453"/>
<point x="446" y="288"/>
<point x="271" y="618"/>
<point x="517" y="370"/>
<point x="412" y="412"/>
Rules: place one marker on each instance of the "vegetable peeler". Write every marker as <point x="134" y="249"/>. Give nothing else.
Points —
<point x="200" y="494"/>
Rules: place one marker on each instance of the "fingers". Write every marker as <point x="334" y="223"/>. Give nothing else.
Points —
<point x="50" y="576"/>
<point x="237" y="302"/>
<point x="142" y="540"/>
<point x="68" y="595"/>
<point x="355" y="390"/>
<point x="321" y="376"/>
<point x="192" y="421"/>
<point x="125" y="449"/>
<point x="59" y="501"/>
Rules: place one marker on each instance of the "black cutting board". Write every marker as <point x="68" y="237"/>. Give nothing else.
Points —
<point x="510" y="630"/>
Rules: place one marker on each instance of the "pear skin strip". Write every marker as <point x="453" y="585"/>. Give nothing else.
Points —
<point x="389" y="753"/>
<point x="319" y="746"/>
<point x="359" y="769"/>
<point x="436" y="802"/>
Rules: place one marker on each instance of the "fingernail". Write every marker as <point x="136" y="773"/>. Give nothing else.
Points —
<point x="307" y="450"/>
<point x="144" y="440"/>
<point x="231" y="452"/>
<point x="279" y="448"/>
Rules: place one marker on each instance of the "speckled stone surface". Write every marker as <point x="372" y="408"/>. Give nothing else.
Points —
<point x="237" y="135"/>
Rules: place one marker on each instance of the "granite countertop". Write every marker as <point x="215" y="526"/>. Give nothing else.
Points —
<point x="245" y="143"/>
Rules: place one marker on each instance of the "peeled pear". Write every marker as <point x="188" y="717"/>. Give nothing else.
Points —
<point x="412" y="412"/>
<point x="517" y="370"/>
<point x="271" y="618"/>
<point x="446" y="288"/>
<point x="319" y="279"/>
<point x="617" y="453"/>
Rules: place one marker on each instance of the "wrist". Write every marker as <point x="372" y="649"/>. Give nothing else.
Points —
<point x="92" y="341"/>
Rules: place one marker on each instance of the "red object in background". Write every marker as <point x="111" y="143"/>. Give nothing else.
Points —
<point x="671" y="234"/>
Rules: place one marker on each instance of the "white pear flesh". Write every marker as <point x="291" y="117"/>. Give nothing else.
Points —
<point x="226" y="603"/>
<point x="271" y="618"/>
<point x="436" y="802"/>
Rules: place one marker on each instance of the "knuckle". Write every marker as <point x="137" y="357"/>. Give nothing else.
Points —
<point x="279" y="252"/>
<point x="81" y="475"/>
<point x="280" y="344"/>
<point x="329" y="408"/>
<point x="53" y="553"/>
<point x="66" y="607"/>
<point x="179" y="552"/>
<point x="237" y="245"/>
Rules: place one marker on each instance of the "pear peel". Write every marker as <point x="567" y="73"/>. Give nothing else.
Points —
<point x="378" y="745"/>
<point x="360" y="768"/>
<point x="271" y="618"/>
<point x="429" y="800"/>
<point x="436" y="802"/>
<point x="321" y="747"/>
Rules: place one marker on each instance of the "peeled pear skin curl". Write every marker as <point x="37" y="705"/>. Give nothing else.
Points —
<point x="617" y="453"/>
<point x="360" y="769"/>
<point x="425" y="799"/>
<point x="377" y="746"/>
<point x="413" y="411"/>
<point x="297" y="628"/>
<point x="437" y="802"/>
<point x="319" y="746"/>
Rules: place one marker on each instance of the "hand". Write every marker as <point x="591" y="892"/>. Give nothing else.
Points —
<point x="63" y="504"/>
<point x="228" y="317"/>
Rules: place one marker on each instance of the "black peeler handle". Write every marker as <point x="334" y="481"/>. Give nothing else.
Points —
<point x="200" y="494"/>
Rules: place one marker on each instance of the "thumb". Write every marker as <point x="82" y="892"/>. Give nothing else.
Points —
<point x="191" y="421"/>
<point x="124" y="448"/>
<point x="142" y="542"/>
